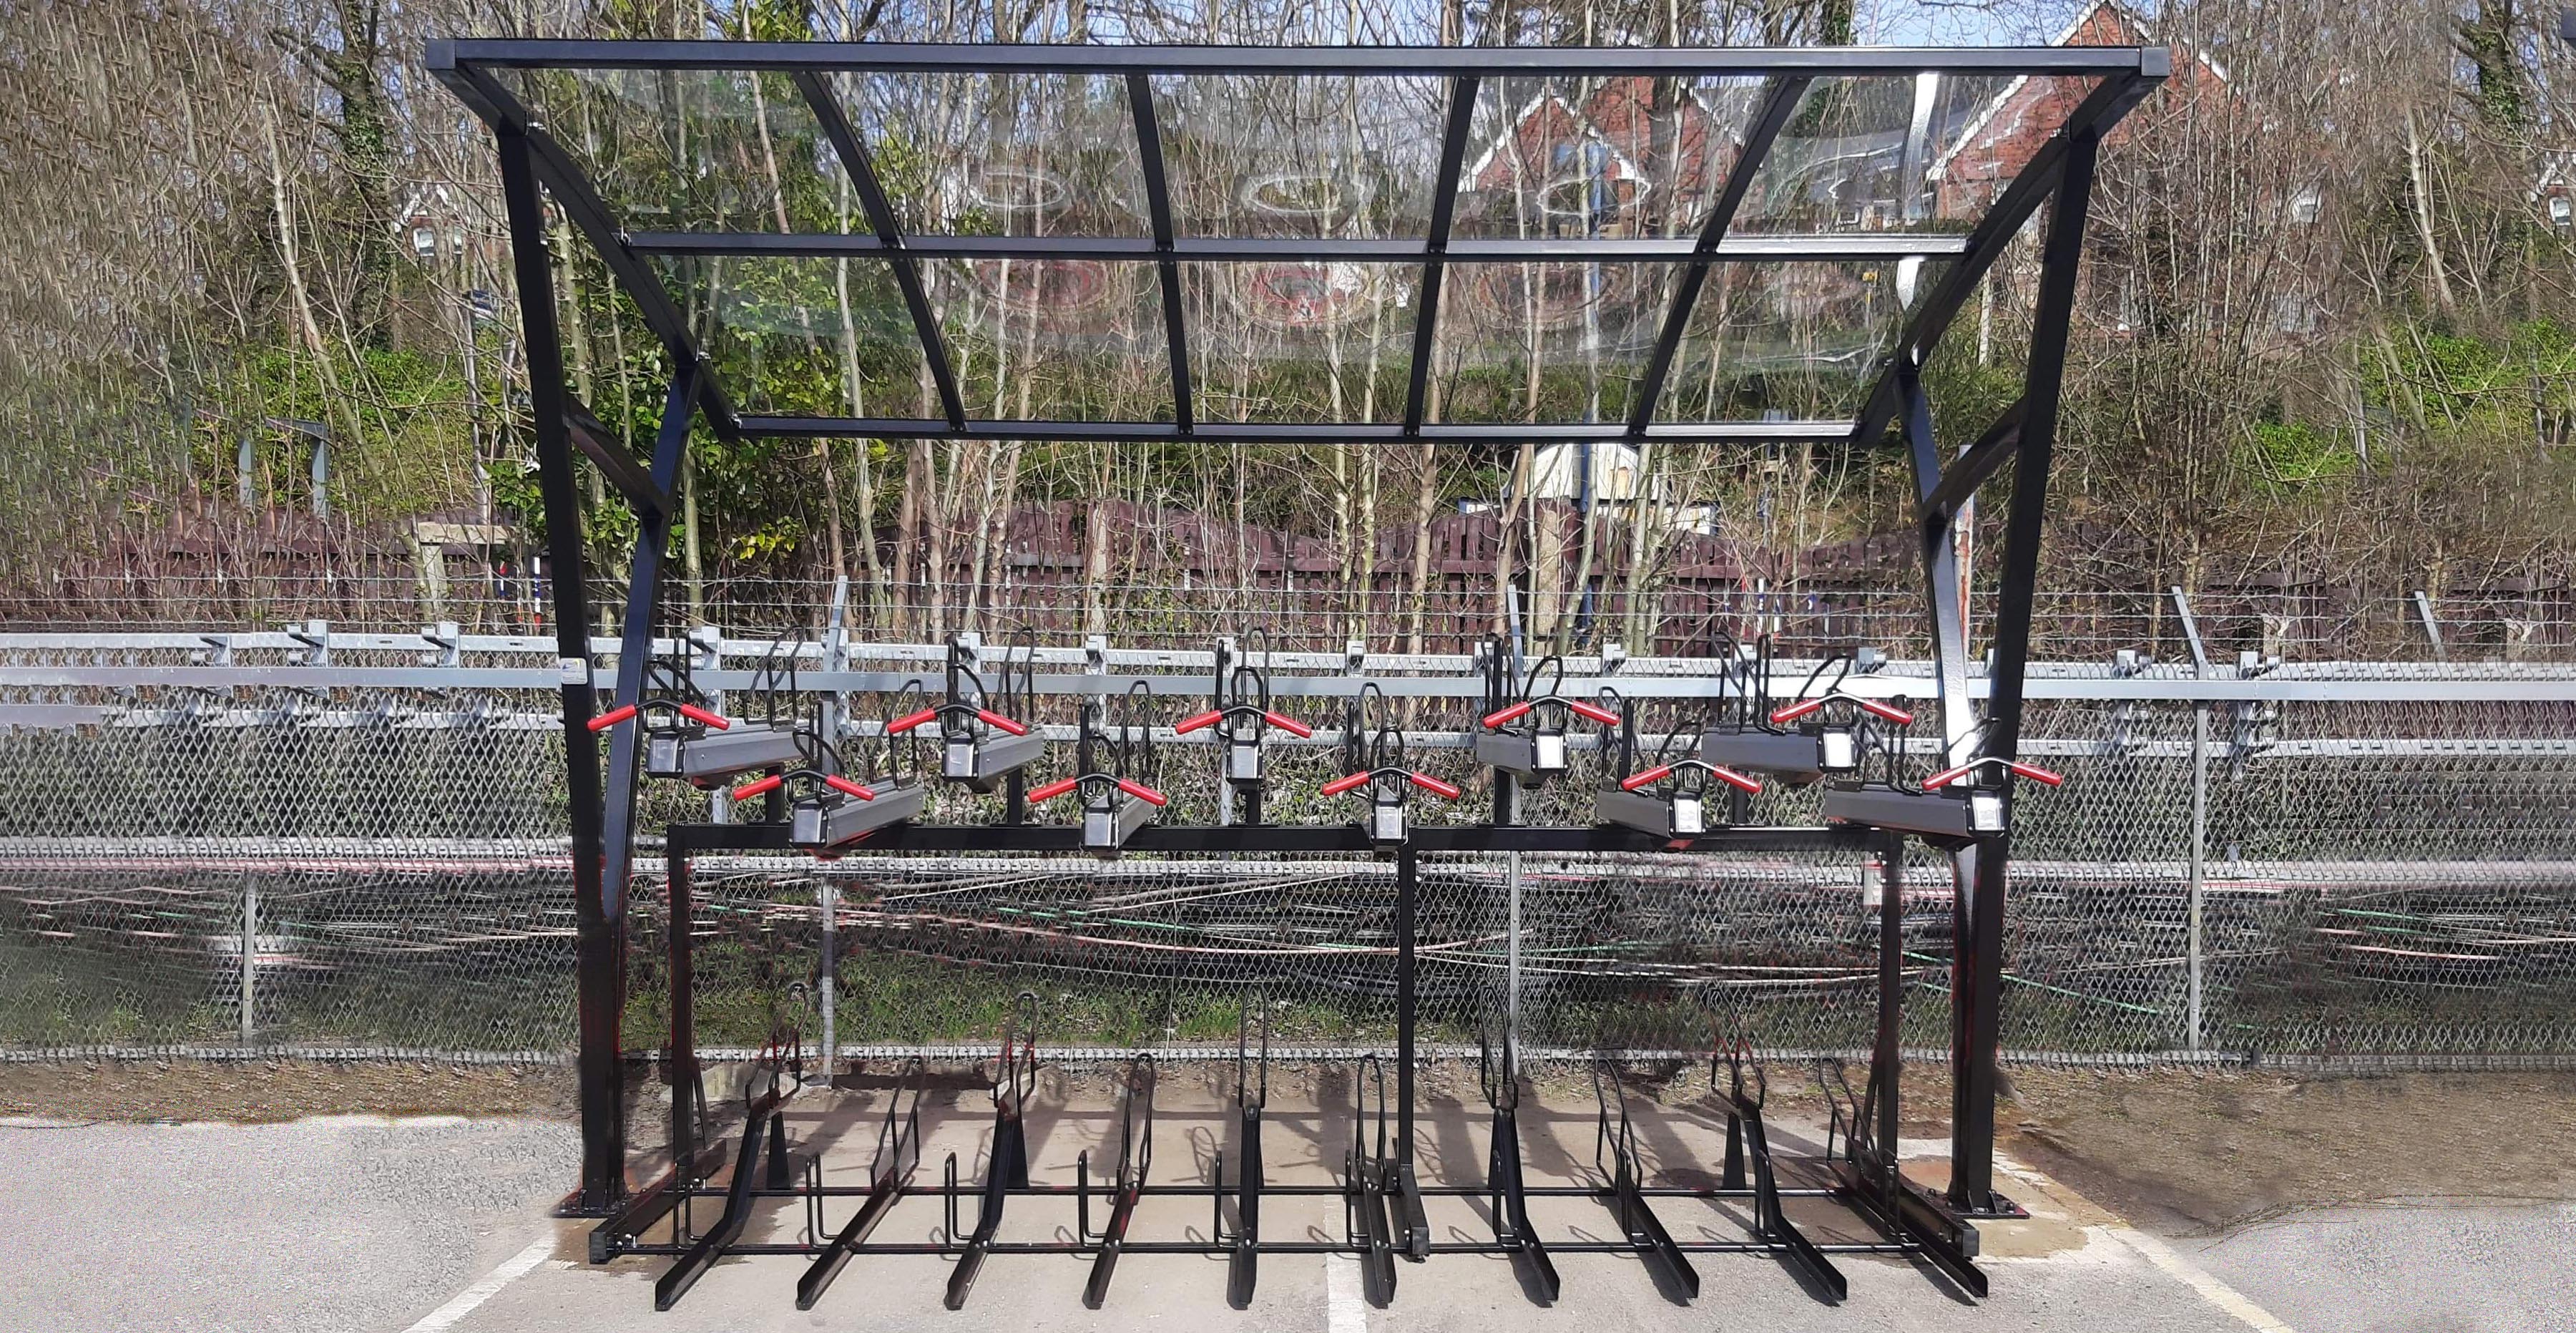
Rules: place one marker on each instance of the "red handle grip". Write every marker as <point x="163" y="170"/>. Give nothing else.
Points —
<point x="612" y="717"/>
<point x="759" y="787"/>
<point x="841" y="784"/>
<point x="1889" y="711"/>
<point x="1947" y="776"/>
<point x="1352" y="783"/>
<point x="1434" y="786"/>
<point x="1286" y="723"/>
<point x="1200" y="723"/>
<point x="1635" y="780"/>
<point x="993" y="719"/>
<point x="1594" y="711"/>
<point x="1734" y="779"/>
<point x="697" y="714"/>
<point x="1055" y="789"/>
<point x="910" y="720"/>
<point x="1497" y="719"/>
<point x="1142" y="792"/>
<point x="1792" y="712"/>
<point x="2035" y="773"/>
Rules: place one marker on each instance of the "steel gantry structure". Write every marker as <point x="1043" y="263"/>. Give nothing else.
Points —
<point x="1777" y="183"/>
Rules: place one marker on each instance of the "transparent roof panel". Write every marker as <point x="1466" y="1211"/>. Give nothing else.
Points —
<point x="1924" y="152"/>
<point x="1300" y="342"/>
<point x="1545" y="342"/>
<point x="1002" y="154"/>
<point x="1624" y="155"/>
<point x="1303" y="201"/>
<point x="785" y="332"/>
<point x="1054" y="339"/>
<point x="690" y="150"/>
<point x="1790" y="341"/>
<point x="1301" y="155"/>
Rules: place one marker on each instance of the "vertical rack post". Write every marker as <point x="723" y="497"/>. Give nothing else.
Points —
<point x="1407" y="875"/>
<point x="827" y="895"/>
<point x="599" y="942"/>
<point x="680" y="1061"/>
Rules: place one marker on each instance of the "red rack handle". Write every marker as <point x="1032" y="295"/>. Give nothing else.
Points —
<point x="701" y="715"/>
<point x="2035" y="773"/>
<point x="1143" y="793"/>
<point x="1351" y="783"/>
<point x="910" y="720"/>
<point x="1792" y="712"/>
<point x="1749" y="786"/>
<point x="1889" y="711"/>
<point x="1055" y="789"/>
<point x="841" y="784"/>
<point x="1653" y="775"/>
<point x="1496" y="719"/>
<point x="1594" y="711"/>
<point x="1435" y="786"/>
<point x="1947" y="776"/>
<point x="1200" y="723"/>
<point x="993" y="719"/>
<point x="612" y="717"/>
<point x="1287" y="724"/>
<point x="759" y="787"/>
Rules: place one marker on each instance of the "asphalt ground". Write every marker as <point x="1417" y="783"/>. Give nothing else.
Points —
<point x="419" y="1225"/>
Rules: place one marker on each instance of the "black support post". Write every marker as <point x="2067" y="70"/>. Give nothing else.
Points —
<point x="1977" y="1033"/>
<point x="599" y="941"/>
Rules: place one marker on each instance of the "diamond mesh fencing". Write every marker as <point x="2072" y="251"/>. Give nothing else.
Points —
<point x="385" y="871"/>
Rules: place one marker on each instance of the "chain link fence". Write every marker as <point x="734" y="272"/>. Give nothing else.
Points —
<point x="383" y="870"/>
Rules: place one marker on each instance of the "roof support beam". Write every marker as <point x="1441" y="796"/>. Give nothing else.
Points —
<point x="1158" y="206"/>
<point x="1986" y="243"/>
<point x="1974" y="465"/>
<point x="589" y="215"/>
<point x="599" y="444"/>
<point x="1435" y="246"/>
<point x="889" y="234"/>
<point x="1767" y="124"/>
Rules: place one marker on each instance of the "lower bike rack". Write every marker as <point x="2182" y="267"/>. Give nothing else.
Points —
<point x="1614" y="1155"/>
<point x="764" y="1124"/>
<point x="1509" y="1201"/>
<point x="1243" y="1260"/>
<point x="898" y="1153"/>
<point x="1746" y="1140"/>
<point x="1381" y="1195"/>
<point x="1015" y="1076"/>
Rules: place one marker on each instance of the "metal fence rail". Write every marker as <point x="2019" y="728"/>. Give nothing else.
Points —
<point x="355" y="845"/>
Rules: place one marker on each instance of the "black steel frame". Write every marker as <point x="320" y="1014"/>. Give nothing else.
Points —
<point x="534" y="165"/>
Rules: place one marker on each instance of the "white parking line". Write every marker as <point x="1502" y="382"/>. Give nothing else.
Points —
<point x="511" y="1270"/>
<point x="2192" y="1275"/>
<point x="1345" y="1306"/>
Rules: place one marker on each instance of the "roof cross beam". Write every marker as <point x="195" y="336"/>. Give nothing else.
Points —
<point x="881" y="220"/>
<point x="1158" y="207"/>
<point x="1444" y="204"/>
<point x="1777" y="106"/>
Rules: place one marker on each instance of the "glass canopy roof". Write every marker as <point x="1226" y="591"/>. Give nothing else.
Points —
<point x="1301" y="244"/>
